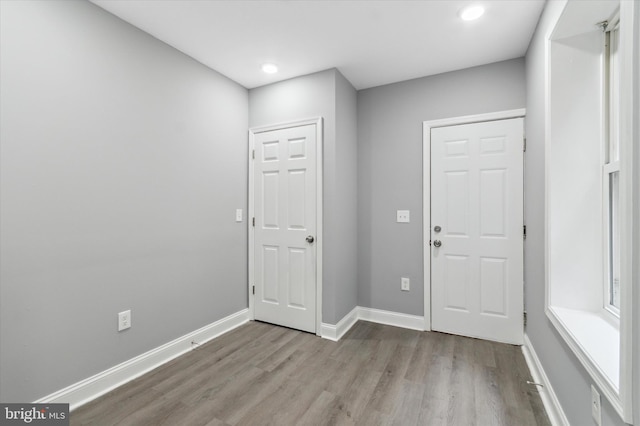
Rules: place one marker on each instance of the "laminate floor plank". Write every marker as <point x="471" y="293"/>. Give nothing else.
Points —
<point x="373" y="418"/>
<point x="220" y="373"/>
<point x="484" y="352"/>
<point x="420" y="361"/>
<point x="435" y="401"/>
<point x="408" y="404"/>
<point x="261" y="374"/>
<point x="127" y="398"/>
<point x="265" y="386"/>
<point x="462" y="398"/>
<point x="344" y="376"/>
<point x="308" y="371"/>
<point x="488" y="398"/>
<point x="265" y="412"/>
<point x="206" y="357"/>
<point x="351" y="405"/>
<point x="304" y="396"/>
<point x="224" y="392"/>
<point x="384" y="396"/>
<point x="512" y="385"/>
<point x="152" y="414"/>
<point x="380" y="354"/>
<point x="215" y="422"/>
<point x="316" y="414"/>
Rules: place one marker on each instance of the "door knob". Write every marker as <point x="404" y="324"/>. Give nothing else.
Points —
<point x="310" y="239"/>
<point x="437" y="243"/>
<point x="437" y="229"/>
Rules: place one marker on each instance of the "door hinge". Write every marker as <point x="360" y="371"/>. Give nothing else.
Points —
<point x="524" y="144"/>
<point x="524" y="318"/>
<point x="253" y="154"/>
<point x="253" y="222"/>
<point x="524" y="232"/>
<point x="253" y="289"/>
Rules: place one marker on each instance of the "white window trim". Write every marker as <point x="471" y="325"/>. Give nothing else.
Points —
<point x="610" y="164"/>
<point x="620" y="397"/>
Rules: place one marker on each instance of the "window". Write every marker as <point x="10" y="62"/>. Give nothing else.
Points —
<point x="589" y="191"/>
<point x="611" y="166"/>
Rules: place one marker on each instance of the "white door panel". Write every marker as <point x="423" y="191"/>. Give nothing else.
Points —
<point x="477" y="200"/>
<point x="285" y="208"/>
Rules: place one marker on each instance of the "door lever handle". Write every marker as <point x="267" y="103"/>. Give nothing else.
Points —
<point x="437" y="243"/>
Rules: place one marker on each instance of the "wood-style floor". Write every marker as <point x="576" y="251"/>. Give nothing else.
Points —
<point x="260" y="374"/>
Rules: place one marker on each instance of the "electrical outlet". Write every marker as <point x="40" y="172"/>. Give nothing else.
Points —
<point x="402" y="216"/>
<point x="404" y="284"/>
<point x="596" y="407"/>
<point x="124" y="320"/>
<point x="238" y="215"/>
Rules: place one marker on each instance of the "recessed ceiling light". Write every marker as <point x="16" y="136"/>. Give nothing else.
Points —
<point x="472" y="12"/>
<point x="270" y="68"/>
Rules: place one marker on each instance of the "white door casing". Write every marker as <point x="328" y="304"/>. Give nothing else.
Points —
<point x="477" y="200"/>
<point x="285" y="197"/>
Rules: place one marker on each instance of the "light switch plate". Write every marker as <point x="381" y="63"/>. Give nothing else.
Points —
<point x="238" y="215"/>
<point x="402" y="216"/>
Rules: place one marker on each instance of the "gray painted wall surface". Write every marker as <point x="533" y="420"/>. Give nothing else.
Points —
<point x="311" y="96"/>
<point x="122" y="164"/>
<point x="569" y="379"/>
<point x="390" y="170"/>
<point x="346" y="189"/>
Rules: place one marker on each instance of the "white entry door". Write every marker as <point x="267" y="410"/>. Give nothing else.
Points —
<point x="477" y="230"/>
<point x="285" y="227"/>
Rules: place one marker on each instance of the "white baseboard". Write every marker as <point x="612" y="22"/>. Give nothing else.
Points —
<point x="396" y="319"/>
<point x="86" y="390"/>
<point x="335" y="332"/>
<point x="547" y="394"/>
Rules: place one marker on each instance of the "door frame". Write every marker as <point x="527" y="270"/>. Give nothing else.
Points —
<point x="253" y="131"/>
<point x="426" y="186"/>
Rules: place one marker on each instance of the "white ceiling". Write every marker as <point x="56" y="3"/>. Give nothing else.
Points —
<point x="371" y="42"/>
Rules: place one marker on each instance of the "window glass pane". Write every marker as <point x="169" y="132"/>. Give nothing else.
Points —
<point x="614" y="240"/>
<point x="614" y="95"/>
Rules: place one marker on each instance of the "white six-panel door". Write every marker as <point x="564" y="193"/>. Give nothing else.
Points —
<point x="285" y="227"/>
<point x="477" y="254"/>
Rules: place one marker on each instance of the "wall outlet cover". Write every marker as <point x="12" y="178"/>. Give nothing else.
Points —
<point x="403" y="216"/>
<point x="124" y="320"/>
<point x="405" y="284"/>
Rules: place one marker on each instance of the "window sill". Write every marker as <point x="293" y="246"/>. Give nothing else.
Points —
<point x="595" y="340"/>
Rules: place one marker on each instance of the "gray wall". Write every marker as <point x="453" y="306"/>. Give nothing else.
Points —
<point x="323" y="94"/>
<point x="569" y="379"/>
<point x="122" y="164"/>
<point x="390" y="170"/>
<point x="345" y="217"/>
